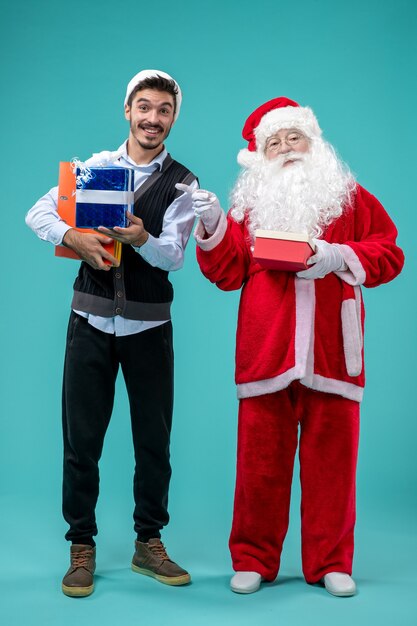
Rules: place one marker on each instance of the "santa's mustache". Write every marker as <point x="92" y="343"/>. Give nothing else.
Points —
<point x="279" y="161"/>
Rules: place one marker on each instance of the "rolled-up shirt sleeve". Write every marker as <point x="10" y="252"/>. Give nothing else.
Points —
<point x="44" y="220"/>
<point x="167" y="250"/>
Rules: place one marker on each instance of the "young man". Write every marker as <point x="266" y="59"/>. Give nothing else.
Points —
<point x="121" y="316"/>
<point x="299" y="356"/>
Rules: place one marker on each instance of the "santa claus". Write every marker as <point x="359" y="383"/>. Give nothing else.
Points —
<point x="299" y="352"/>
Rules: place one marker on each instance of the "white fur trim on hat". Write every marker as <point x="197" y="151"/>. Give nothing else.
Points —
<point x="301" y="118"/>
<point x="148" y="74"/>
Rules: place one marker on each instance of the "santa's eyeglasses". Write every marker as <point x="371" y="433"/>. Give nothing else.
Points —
<point x="274" y="144"/>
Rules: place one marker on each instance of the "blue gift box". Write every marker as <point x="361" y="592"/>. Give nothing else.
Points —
<point x="103" y="196"/>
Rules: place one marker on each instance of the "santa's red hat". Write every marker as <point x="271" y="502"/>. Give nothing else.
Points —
<point x="269" y="118"/>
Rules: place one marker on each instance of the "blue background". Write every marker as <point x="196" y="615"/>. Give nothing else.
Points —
<point x="65" y="66"/>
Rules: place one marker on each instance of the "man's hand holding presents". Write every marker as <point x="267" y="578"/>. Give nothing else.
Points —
<point x="135" y="234"/>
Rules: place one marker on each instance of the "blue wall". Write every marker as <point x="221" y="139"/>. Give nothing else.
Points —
<point x="64" y="74"/>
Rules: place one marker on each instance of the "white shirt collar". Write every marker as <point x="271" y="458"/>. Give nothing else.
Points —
<point x="156" y="163"/>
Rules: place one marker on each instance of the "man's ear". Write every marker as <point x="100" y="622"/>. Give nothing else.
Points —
<point x="127" y="112"/>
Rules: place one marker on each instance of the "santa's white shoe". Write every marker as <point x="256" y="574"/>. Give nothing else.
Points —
<point x="245" y="582"/>
<point x="339" y="584"/>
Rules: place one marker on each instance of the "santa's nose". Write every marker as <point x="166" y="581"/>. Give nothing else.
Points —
<point x="284" y="148"/>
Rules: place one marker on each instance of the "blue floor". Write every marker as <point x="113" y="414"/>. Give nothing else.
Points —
<point x="32" y="569"/>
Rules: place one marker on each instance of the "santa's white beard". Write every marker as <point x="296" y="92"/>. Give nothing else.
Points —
<point x="304" y="196"/>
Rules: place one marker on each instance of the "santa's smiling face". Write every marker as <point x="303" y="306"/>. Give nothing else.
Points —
<point x="289" y="143"/>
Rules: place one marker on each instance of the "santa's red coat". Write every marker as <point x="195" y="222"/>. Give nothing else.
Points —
<point x="291" y="328"/>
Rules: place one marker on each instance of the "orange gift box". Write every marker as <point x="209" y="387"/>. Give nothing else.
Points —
<point x="288" y="252"/>
<point x="66" y="210"/>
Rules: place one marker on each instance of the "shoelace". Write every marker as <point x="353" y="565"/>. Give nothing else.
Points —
<point x="81" y="559"/>
<point x="158" y="550"/>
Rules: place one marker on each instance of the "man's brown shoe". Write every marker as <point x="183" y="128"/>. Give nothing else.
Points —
<point x="78" y="581"/>
<point x="151" y="559"/>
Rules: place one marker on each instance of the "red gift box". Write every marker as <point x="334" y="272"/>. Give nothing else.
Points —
<point x="276" y="250"/>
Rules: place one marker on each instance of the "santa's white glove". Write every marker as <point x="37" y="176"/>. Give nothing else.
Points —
<point x="327" y="258"/>
<point x="206" y="206"/>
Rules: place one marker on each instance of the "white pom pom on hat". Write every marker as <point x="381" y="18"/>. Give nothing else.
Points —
<point x="270" y="117"/>
<point x="149" y="74"/>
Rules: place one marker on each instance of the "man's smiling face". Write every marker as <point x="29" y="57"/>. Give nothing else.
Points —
<point x="151" y="115"/>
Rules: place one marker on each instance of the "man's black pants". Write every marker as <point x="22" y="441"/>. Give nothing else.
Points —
<point x="91" y="364"/>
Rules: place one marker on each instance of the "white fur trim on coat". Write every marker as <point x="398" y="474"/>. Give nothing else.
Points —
<point x="355" y="274"/>
<point x="352" y="333"/>
<point x="213" y="240"/>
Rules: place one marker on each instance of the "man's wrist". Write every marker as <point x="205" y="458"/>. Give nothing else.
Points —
<point x="68" y="238"/>
<point x="142" y="239"/>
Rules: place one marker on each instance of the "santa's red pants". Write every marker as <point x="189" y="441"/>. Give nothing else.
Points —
<point x="267" y="442"/>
